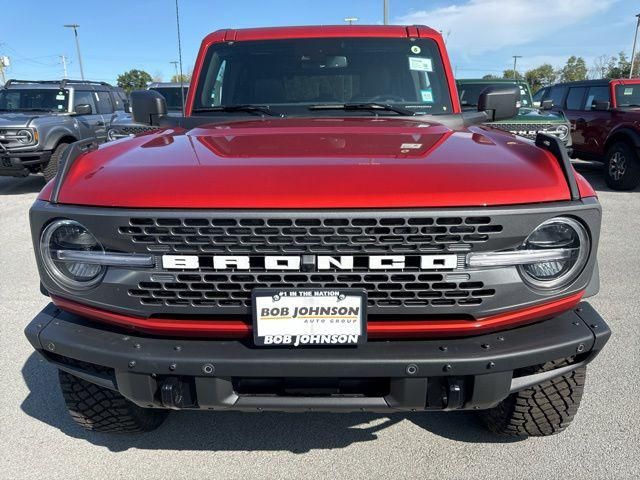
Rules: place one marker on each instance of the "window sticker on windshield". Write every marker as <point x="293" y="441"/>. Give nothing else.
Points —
<point x="628" y="91"/>
<point x="416" y="49"/>
<point x="420" y="64"/>
<point x="427" y="95"/>
<point x="60" y="97"/>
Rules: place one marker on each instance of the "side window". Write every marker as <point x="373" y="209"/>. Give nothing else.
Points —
<point x="597" y="93"/>
<point x="557" y="95"/>
<point x="104" y="102"/>
<point x="539" y="95"/>
<point x="82" y="97"/>
<point x="575" y="99"/>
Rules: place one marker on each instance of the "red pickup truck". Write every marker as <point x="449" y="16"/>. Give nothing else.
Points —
<point x="605" y="121"/>
<point x="323" y="230"/>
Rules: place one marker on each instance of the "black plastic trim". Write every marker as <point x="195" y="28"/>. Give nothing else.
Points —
<point x="557" y="148"/>
<point x="70" y="155"/>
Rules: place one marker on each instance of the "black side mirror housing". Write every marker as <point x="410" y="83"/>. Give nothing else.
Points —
<point x="600" y="105"/>
<point x="126" y="107"/>
<point x="147" y="107"/>
<point x="499" y="102"/>
<point x="546" y="105"/>
<point x="83" y="109"/>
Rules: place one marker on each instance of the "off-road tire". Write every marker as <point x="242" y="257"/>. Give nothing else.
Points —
<point x="627" y="175"/>
<point x="102" y="410"/>
<point x="541" y="410"/>
<point x="51" y="167"/>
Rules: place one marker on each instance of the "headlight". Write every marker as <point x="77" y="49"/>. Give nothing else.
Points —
<point x="570" y="240"/>
<point x="25" y="136"/>
<point x="63" y="236"/>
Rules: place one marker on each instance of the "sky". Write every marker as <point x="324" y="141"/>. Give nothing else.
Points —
<point x="481" y="35"/>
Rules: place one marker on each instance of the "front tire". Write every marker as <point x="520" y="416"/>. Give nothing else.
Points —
<point x="51" y="168"/>
<point x="102" y="410"/>
<point x="541" y="410"/>
<point x="622" y="167"/>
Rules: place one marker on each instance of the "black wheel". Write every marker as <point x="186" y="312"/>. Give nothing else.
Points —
<point x="103" y="410"/>
<point x="540" y="410"/>
<point x="51" y="168"/>
<point x="622" y="167"/>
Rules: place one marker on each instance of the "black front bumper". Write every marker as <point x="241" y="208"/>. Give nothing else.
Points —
<point x="21" y="164"/>
<point x="464" y="373"/>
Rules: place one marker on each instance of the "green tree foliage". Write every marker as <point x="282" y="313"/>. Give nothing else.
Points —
<point x="509" y="73"/>
<point x="186" y="78"/>
<point x="574" y="70"/>
<point x="134" y="80"/>
<point x="619" y="67"/>
<point x="540" y="77"/>
<point x="490" y="76"/>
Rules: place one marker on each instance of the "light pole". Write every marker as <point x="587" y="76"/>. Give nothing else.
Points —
<point x="75" y="32"/>
<point x="515" y="63"/>
<point x="633" y="52"/>
<point x="385" y="7"/>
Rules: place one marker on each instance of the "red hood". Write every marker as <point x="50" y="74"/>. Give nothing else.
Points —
<point x="315" y="163"/>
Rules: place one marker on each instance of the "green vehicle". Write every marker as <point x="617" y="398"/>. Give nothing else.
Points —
<point x="530" y="120"/>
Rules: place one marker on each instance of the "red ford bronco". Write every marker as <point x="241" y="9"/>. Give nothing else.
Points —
<point x="605" y="119"/>
<point x="324" y="230"/>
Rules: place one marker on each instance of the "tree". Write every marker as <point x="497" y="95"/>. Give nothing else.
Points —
<point x="509" y="73"/>
<point x="134" y="80"/>
<point x="574" y="70"/>
<point x="490" y="76"/>
<point x="540" y="77"/>
<point x="621" y="66"/>
<point x="186" y="78"/>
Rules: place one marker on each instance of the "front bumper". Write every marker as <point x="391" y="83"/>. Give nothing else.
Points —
<point x="21" y="164"/>
<point x="466" y="373"/>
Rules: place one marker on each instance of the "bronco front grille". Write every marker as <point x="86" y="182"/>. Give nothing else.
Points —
<point x="383" y="289"/>
<point x="526" y="130"/>
<point x="363" y="235"/>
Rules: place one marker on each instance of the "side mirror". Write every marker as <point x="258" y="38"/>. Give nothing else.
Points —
<point x="83" y="109"/>
<point x="499" y="102"/>
<point x="147" y="106"/>
<point x="546" y="105"/>
<point x="600" y="105"/>
<point x="127" y="107"/>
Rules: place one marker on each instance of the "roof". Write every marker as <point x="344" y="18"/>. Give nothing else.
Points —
<point x="167" y="84"/>
<point x="490" y="80"/>
<point x="322" y="31"/>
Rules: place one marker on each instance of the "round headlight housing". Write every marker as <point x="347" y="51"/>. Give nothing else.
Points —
<point x="69" y="235"/>
<point x="560" y="233"/>
<point x="25" y="136"/>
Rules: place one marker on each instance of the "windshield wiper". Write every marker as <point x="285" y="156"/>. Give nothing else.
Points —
<point x="363" y="106"/>
<point x="257" y="109"/>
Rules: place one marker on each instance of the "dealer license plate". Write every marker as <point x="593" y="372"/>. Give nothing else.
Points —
<point x="303" y="317"/>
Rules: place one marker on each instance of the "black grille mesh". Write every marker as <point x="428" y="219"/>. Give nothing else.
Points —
<point x="383" y="289"/>
<point x="367" y="235"/>
<point x="526" y="130"/>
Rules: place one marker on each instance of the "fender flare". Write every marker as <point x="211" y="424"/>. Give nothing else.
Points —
<point x="623" y="134"/>
<point x="54" y="137"/>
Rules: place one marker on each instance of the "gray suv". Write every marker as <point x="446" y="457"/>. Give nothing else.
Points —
<point x="38" y="119"/>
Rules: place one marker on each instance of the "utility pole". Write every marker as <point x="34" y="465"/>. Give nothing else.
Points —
<point x="63" y="60"/>
<point x="633" y="52"/>
<point x="515" y="64"/>
<point x="180" y="57"/>
<point x="75" y="32"/>
<point x="386" y="11"/>
<point x="350" y="20"/>
<point x="175" y="65"/>
<point x="4" y="62"/>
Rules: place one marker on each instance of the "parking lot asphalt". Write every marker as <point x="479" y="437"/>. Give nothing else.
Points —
<point x="39" y="440"/>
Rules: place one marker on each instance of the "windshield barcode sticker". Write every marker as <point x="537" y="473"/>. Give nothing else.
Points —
<point x="420" y="64"/>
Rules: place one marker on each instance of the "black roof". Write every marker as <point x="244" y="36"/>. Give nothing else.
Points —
<point x="589" y="83"/>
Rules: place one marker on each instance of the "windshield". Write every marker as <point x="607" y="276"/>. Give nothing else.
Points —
<point x="172" y="95"/>
<point x="49" y="100"/>
<point x="470" y="92"/>
<point x="628" y="95"/>
<point x="296" y="74"/>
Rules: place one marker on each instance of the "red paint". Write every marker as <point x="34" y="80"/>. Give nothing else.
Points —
<point x="316" y="163"/>
<point x="319" y="31"/>
<point x="387" y="329"/>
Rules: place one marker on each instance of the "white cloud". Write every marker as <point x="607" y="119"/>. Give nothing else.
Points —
<point x="480" y="26"/>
